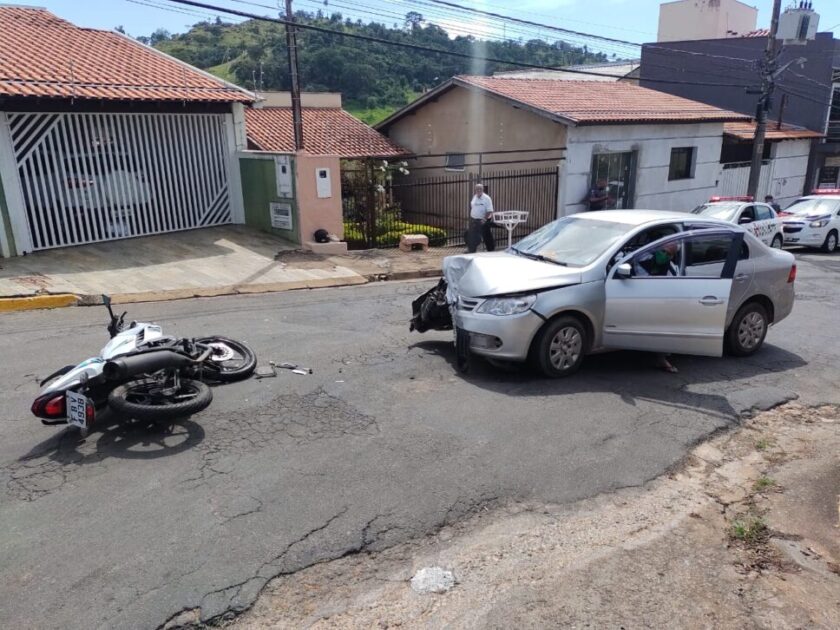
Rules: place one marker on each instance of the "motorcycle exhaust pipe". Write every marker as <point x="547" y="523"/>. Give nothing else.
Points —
<point x="145" y="363"/>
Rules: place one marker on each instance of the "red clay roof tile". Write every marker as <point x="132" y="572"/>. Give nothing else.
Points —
<point x="326" y="131"/>
<point x="46" y="56"/>
<point x="596" y="102"/>
<point x="746" y="131"/>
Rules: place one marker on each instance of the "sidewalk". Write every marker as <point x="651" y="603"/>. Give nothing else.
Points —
<point x="200" y="263"/>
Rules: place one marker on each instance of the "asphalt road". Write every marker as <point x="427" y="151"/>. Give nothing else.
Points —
<point x="383" y="442"/>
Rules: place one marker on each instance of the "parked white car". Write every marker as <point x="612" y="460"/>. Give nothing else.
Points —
<point x="814" y="221"/>
<point x="758" y="218"/>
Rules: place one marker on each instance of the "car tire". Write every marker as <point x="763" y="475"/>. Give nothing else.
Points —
<point x="778" y="241"/>
<point x="748" y="329"/>
<point x="560" y="346"/>
<point x="830" y="244"/>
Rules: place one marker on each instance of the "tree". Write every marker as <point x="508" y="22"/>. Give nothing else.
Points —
<point x="414" y="20"/>
<point x="120" y="29"/>
<point x="160" y="35"/>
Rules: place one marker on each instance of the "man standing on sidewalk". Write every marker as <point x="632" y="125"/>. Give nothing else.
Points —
<point x="481" y="211"/>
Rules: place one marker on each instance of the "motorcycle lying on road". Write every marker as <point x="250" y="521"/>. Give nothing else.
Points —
<point x="142" y="374"/>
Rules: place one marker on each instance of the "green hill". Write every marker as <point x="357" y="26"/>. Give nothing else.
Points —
<point x="374" y="78"/>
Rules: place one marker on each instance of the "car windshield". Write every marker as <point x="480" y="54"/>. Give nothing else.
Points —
<point x="812" y="207"/>
<point x="722" y="211"/>
<point x="572" y="241"/>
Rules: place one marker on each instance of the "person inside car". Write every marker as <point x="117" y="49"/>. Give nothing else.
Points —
<point x="659" y="262"/>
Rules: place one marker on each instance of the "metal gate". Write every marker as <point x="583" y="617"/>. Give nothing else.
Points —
<point x="87" y="178"/>
<point x="439" y="206"/>
<point x="735" y="177"/>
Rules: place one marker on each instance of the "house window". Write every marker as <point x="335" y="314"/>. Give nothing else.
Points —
<point x="682" y="163"/>
<point x="455" y="162"/>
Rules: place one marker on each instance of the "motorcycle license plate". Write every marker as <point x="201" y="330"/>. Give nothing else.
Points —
<point x="77" y="405"/>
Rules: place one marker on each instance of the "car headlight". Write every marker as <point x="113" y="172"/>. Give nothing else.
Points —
<point x="507" y="305"/>
<point x="819" y="223"/>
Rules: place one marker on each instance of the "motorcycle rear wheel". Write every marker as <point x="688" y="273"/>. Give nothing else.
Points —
<point x="144" y="399"/>
<point x="231" y="361"/>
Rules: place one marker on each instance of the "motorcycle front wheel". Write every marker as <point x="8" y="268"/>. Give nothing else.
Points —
<point x="231" y="360"/>
<point x="148" y="399"/>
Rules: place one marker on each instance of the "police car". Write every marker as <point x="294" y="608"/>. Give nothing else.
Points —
<point x="814" y="221"/>
<point x="758" y="218"/>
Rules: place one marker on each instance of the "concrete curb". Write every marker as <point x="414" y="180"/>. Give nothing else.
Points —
<point x="32" y="302"/>
<point x="59" y="300"/>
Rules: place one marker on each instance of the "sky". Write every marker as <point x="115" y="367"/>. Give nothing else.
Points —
<point x="631" y="20"/>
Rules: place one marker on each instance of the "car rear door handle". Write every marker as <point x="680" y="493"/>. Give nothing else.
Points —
<point x="741" y="277"/>
<point x="710" y="300"/>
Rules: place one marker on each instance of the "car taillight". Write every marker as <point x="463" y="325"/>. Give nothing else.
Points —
<point x="792" y="274"/>
<point x="50" y="406"/>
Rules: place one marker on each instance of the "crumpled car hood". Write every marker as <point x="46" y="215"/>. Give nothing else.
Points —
<point x="500" y="273"/>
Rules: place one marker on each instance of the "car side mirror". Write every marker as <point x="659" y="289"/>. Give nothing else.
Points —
<point x="624" y="270"/>
<point x="744" y="220"/>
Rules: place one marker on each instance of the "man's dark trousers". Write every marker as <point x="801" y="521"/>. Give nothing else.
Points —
<point x="480" y="229"/>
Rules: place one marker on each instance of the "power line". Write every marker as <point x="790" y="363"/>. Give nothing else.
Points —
<point x="438" y="51"/>
<point x="531" y="23"/>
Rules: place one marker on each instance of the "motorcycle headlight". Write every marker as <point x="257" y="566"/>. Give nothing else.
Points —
<point x="819" y="223"/>
<point x="507" y="305"/>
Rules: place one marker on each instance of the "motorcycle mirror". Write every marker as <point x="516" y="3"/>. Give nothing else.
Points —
<point x="106" y="300"/>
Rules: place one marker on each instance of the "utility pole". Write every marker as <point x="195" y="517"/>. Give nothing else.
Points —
<point x="768" y="84"/>
<point x="291" y="46"/>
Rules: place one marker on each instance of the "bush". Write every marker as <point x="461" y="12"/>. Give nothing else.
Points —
<point x="353" y="234"/>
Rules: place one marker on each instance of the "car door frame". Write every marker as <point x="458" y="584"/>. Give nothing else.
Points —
<point x="647" y="295"/>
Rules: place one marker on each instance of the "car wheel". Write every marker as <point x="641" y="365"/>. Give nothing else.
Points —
<point x="830" y="244"/>
<point x="748" y="329"/>
<point x="778" y="241"/>
<point x="559" y="348"/>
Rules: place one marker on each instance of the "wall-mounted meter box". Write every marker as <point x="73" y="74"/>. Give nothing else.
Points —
<point x="323" y="183"/>
<point x="281" y="215"/>
<point x="283" y="175"/>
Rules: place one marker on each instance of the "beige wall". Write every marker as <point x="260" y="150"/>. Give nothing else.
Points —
<point x="315" y="212"/>
<point x="704" y="19"/>
<point x="307" y="99"/>
<point x="466" y="121"/>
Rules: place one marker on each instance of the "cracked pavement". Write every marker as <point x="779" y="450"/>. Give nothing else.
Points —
<point x="384" y="442"/>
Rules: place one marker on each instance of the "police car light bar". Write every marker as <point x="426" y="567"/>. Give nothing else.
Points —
<point x="740" y="198"/>
<point x="826" y="191"/>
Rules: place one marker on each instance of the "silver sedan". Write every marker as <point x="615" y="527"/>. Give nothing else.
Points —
<point x="627" y="279"/>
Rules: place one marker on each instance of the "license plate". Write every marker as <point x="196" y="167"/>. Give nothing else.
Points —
<point x="77" y="405"/>
<point x="791" y="240"/>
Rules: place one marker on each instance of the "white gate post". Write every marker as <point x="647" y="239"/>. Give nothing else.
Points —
<point x="561" y="184"/>
<point x="13" y="192"/>
<point x="237" y="141"/>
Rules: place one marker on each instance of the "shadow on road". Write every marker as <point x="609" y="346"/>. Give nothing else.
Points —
<point x="702" y="382"/>
<point x="121" y="438"/>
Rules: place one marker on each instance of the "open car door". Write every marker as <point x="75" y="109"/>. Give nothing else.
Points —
<point x="676" y="305"/>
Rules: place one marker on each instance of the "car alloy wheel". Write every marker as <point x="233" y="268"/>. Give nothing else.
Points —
<point x="565" y="348"/>
<point x="559" y="348"/>
<point x="830" y="242"/>
<point x="777" y="242"/>
<point x="751" y="330"/>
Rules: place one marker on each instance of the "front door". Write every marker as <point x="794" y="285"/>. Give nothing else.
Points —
<point x="677" y="296"/>
<point x="618" y="171"/>
<point x="761" y="221"/>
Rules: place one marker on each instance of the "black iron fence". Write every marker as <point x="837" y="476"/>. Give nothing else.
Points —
<point x="439" y="206"/>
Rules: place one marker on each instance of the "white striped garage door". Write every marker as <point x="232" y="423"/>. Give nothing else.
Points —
<point x="87" y="178"/>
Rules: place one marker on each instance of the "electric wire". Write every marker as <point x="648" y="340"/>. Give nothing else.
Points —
<point x="361" y="37"/>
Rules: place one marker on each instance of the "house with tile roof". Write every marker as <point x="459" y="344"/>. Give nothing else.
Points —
<point x="102" y="137"/>
<point x="327" y="128"/>
<point x="651" y="150"/>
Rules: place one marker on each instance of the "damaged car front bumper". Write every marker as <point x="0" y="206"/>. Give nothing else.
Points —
<point x="504" y="337"/>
